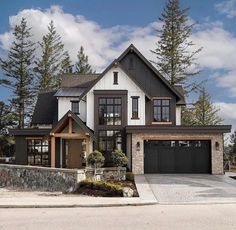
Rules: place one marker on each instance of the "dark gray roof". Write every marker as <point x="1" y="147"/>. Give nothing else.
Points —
<point x="46" y="109"/>
<point x="180" y="89"/>
<point x="69" y="92"/>
<point x="29" y="132"/>
<point x="79" y="122"/>
<point x="77" y="80"/>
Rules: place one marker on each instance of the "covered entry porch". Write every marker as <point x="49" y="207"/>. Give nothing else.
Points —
<point x="71" y="142"/>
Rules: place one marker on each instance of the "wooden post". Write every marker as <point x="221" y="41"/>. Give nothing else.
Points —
<point x="53" y="152"/>
<point x="70" y="125"/>
<point x="87" y="147"/>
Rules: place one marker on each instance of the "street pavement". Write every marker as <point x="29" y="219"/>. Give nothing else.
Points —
<point x="156" y="217"/>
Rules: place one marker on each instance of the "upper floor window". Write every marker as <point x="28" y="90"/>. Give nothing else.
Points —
<point x="75" y="107"/>
<point x="135" y="107"/>
<point x="161" y="110"/>
<point x="109" y="111"/>
<point x="115" y="78"/>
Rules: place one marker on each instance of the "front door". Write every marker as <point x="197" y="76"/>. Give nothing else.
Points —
<point x="73" y="153"/>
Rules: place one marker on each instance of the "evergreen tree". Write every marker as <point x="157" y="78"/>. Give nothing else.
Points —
<point x="66" y="64"/>
<point x="7" y="120"/>
<point x="172" y="52"/>
<point x="232" y="148"/>
<point x="82" y="66"/>
<point x="18" y="68"/>
<point x="50" y="63"/>
<point x="203" y="112"/>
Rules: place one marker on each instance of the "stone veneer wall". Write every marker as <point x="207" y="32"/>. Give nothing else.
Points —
<point x="138" y="154"/>
<point x="109" y="173"/>
<point x="40" y="178"/>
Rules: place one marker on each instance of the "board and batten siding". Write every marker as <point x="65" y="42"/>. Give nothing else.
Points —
<point x="178" y="115"/>
<point x="124" y="83"/>
<point x="64" y="105"/>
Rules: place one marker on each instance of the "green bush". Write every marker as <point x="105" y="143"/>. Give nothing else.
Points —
<point x="118" y="158"/>
<point x="111" y="189"/>
<point x="96" y="159"/>
<point x="129" y="176"/>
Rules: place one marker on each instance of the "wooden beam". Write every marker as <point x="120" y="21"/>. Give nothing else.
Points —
<point x="87" y="147"/>
<point x="53" y="152"/>
<point x="70" y="135"/>
<point x="70" y="125"/>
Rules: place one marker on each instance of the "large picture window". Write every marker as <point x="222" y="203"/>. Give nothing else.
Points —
<point x="161" y="110"/>
<point x="109" y="140"/>
<point x="38" y="152"/>
<point x="110" y="111"/>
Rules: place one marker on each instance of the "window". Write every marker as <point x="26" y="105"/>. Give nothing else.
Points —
<point x="109" y="140"/>
<point x="115" y="78"/>
<point x="75" y="107"/>
<point x="109" y="111"/>
<point x="38" y="152"/>
<point x="135" y="107"/>
<point x="161" y="110"/>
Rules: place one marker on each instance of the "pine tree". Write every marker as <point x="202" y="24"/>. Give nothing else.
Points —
<point x="7" y="120"/>
<point x="66" y="64"/>
<point x="50" y="63"/>
<point x="203" y="112"/>
<point x="18" y="68"/>
<point x="82" y="66"/>
<point x="172" y="52"/>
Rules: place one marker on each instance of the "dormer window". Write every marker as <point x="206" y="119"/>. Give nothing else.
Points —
<point x="115" y="78"/>
<point x="161" y="110"/>
<point x="75" y="107"/>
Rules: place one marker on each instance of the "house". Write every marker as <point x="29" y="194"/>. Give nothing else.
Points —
<point x="130" y="106"/>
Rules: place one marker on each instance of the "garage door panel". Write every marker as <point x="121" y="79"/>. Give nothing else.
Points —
<point x="177" y="157"/>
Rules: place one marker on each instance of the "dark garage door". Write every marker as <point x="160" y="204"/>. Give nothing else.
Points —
<point x="177" y="157"/>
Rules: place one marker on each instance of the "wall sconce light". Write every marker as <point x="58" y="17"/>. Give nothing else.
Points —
<point x="217" y="145"/>
<point x="138" y="146"/>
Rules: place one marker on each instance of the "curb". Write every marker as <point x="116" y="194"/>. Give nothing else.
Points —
<point x="77" y="205"/>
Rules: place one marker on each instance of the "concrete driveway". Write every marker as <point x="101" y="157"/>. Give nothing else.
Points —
<point x="191" y="189"/>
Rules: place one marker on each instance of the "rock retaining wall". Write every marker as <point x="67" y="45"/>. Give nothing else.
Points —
<point x="39" y="178"/>
<point x="52" y="179"/>
<point x="110" y="173"/>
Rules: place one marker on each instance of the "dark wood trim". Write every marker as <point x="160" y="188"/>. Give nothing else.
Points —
<point x="109" y="93"/>
<point x="178" y="129"/>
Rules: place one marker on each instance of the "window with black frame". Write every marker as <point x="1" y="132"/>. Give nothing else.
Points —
<point x="109" y="140"/>
<point x="38" y="152"/>
<point x="135" y="107"/>
<point x="110" y="111"/>
<point x="161" y="110"/>
<point x="75" y="107"/>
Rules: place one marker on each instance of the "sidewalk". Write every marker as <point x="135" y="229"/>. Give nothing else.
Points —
<point x="19" y="199"/>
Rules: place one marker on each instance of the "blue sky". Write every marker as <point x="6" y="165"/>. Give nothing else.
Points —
<point x="105" y="28"/>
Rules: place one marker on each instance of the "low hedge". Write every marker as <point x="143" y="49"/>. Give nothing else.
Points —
<point x="109" y="188"/>
<point x="130" y="176"/>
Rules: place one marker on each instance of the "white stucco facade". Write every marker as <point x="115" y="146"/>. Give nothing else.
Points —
<point x="64" y="105"/>
<point x="178" y="115"/>
<point x="124" y="83"/>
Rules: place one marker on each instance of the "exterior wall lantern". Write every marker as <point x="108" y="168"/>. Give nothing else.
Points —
<point x="217" y="145"/>
<point x="138" y="146"/>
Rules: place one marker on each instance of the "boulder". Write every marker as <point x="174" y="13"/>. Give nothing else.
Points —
<point x="128" y="192"/>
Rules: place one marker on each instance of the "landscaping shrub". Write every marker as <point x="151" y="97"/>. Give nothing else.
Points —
<point x="118" y="158"/>
<point x="109" y="188"/>
<point x="96" y="159"/>
<point x="130" y="176"/>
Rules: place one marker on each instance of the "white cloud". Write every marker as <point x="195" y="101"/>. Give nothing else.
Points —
<point x="227" y="112"/>
<point x="101" y="44"/>
<point x="227" y="7"/>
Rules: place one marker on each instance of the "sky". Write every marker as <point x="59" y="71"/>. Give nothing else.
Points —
<point x="106" y="28"/>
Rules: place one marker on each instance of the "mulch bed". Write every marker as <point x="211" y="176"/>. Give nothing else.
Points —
<point x="99" y="193"/>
